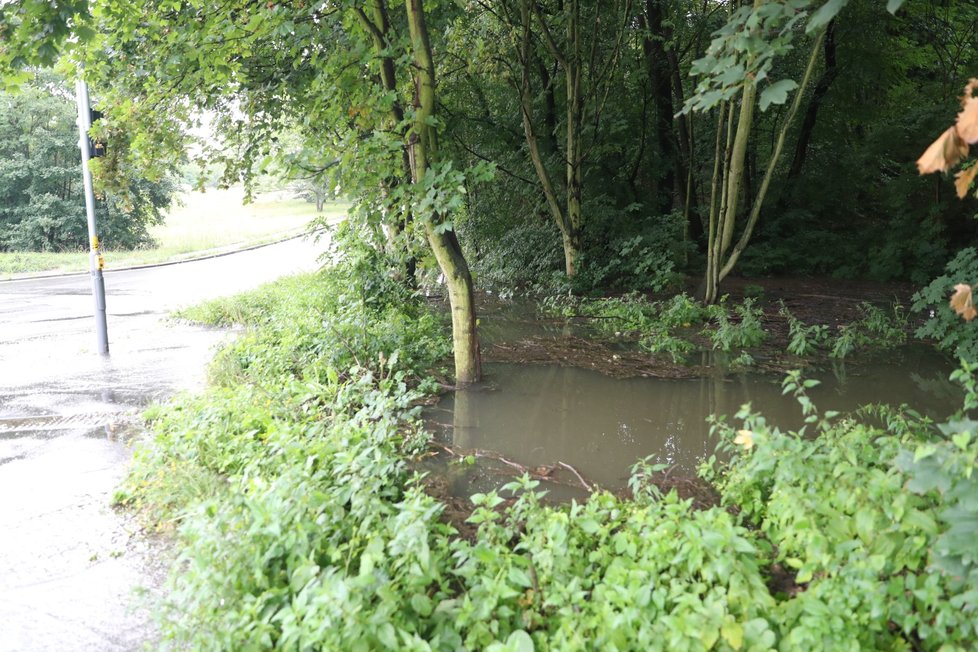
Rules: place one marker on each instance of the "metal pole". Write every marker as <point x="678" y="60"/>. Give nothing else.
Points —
<point x="95" y="260"/>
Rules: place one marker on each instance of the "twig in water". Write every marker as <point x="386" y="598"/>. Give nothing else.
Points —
<point x="579" y="477"/>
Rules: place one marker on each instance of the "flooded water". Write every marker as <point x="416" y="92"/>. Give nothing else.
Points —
<point x="549" y="416"/>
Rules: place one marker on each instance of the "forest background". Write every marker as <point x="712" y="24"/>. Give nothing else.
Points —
<point x="580" y="113"/>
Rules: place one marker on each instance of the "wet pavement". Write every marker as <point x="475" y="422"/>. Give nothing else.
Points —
<point x="76" y="574"/>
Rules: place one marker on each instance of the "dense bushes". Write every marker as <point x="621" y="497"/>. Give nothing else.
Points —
<point x="303" y="526"/>
<point x="42" y="202"/>
<point x="951" y="333"/>
<point x="837" y="511"/>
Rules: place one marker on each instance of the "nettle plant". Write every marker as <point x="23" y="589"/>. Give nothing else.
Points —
<point x="744" y="334"/>
<point x="804" y="340"/>
<point x="875" y="566"/>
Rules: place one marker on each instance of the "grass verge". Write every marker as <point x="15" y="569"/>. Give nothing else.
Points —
<point x="200" y="222"/>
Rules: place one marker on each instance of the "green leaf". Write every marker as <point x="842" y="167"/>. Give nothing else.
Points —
<point x="825" y="14"/>
<point x="961" y="440"/>
<point x="589" y="525"/>
<point x="893" y="5"/>
<point x="520" y="641"/>
<point x="733" y="634"/>
<point x="387" y="635"/>
<point x="804" y="575"/>
<point x="924" y="451"/>
<point x="520" y="577"/>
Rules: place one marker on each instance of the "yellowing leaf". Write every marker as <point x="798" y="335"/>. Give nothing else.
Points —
<point x="745" y="438"/>
<point x="963" y="179"/>
<point x="967" y="124"/>
<point x="733" y="634"/>
<point x="943" y="153"/>
<point x="961" y="301"/>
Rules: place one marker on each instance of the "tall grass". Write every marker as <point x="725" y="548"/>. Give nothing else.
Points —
<point x="198" y="222"/>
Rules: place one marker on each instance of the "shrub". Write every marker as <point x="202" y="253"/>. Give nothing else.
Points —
<point x="951" y="334"/>
<point x="304" y="527"/>
<point x="728" y="335"/>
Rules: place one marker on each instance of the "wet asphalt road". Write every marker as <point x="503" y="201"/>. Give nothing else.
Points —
<point x="76" y="574"/>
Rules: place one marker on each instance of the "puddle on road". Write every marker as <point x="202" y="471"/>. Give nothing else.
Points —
<point x="540" y="416"/>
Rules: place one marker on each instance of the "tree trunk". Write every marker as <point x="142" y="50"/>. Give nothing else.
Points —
<point x="661" y="86"/>
<point x="718" y="198"/>
<point x="567" y="215"/>
<point x="772" y="164"/>
<point x="423" y="144"/>
<point x="735" y="180"/>
<point x="378" y="26"/>
<point x="575" y="155"/>
<point x="818" y="94"/>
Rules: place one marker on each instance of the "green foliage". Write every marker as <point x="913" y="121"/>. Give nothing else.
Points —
<point x="944" y="466"/>
<point x="655" y="323"/>
<point x="728" y="335"/>
<point x="523" y="254"/>
<point x="804" y="340"/>
<point x="836" y="510"/>
<point x="951" y="333"/>
<point x="876" y="329"/>
<point x="737" y="55"/>
<point x="881" y="328"/>
<point x="630" y="313"/>
<point x="611" y="574"/>
<point x="302" y="525"/>
<point x="746" y="48"/>
<point x="845" y="342"/>
<point x="665" y="326"/>
<point x="36" y="33"/>
<point x="665" y="342"/>
<point x="355" y="314"/>
<point x="42" y="202"/>
<point x="620" y="255"/>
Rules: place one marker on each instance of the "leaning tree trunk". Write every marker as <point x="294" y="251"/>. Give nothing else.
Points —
<point x="728" y="266"/>
<point x="575" y="158"/>
<point x="423" y="148"/>
<point x="378" y="26"/>
<point x="566" y="214"/>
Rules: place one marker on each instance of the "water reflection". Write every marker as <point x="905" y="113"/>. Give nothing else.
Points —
<point x="540" y="416"/>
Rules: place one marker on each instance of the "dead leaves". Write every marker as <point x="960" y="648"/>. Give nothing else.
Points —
<point x="944" y="153"/>
<point x="967" y="123"/>
<point x="963" y="179"/>
<point x="962" y="302"/>
<point x="954" y="144"/>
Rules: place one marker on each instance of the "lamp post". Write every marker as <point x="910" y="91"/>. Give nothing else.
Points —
<point x="96" y="262"/>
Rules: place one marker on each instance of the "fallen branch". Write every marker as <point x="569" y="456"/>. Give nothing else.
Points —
<point x="579" y="477"/>
<point x="542" y="472"/>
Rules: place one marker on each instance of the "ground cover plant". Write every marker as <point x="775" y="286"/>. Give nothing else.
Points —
<point x="679" y="325"/>
<point x="302" y="525"/>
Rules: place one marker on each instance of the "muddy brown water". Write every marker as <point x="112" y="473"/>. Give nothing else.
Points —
<point x="542" y="416"/>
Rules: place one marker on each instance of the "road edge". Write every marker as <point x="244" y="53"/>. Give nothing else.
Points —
<point x="203" y="255"/>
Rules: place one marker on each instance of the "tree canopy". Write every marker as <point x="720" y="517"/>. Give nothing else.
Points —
<point x="593" y="145"/>
<point x="42" y="206"/>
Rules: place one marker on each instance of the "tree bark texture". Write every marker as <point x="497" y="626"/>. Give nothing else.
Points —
<point x="423" y="150"/>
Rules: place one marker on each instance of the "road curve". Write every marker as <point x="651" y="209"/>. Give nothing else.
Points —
<point x="69" y="563"/>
